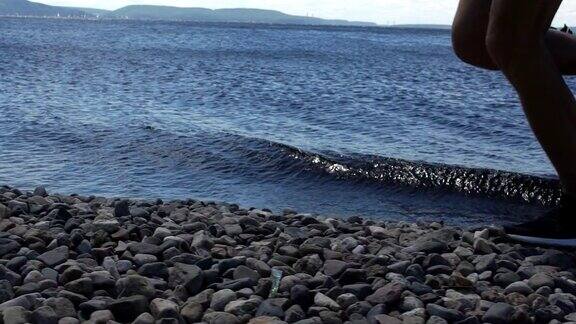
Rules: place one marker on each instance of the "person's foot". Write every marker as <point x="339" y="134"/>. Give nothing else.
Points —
<point x="555" y="228"/>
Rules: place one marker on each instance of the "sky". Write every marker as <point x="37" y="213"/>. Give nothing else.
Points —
<point x="379" y="11"/>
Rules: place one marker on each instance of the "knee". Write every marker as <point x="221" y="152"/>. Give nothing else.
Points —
<point x="508" y="49"/>
<point x="469" y="44"/>
<point x="465" y="43"/>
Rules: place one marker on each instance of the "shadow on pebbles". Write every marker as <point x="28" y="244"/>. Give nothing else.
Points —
<point x="74" y="259"/>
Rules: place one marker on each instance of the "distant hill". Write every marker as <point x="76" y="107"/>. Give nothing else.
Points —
<point x="28" y="8"/>
<point x="240" y="15"/>
<point x="92" y="11"/>
<point x="141" y="12"/>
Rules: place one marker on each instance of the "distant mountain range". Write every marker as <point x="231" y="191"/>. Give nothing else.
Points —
<point x="27" y="8"/>
<point x="24" y="8"/>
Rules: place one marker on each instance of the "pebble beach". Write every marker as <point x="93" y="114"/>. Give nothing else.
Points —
<point x="76" y="259"/>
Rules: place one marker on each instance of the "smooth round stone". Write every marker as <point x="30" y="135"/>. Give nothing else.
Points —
<point x="221" y="298"/>
<point x="540" y="280"/>
<point x="142" y="259"/>
<point x="410" y="303"/>
<point x="349" y="243"/>
<point x="346" y="300"/>
<point x="499" y="313"/>
<point x="519" y="287"/>
<point x="124" y="265"/>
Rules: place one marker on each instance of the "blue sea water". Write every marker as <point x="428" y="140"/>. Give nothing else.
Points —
<point x="384" y="123"/>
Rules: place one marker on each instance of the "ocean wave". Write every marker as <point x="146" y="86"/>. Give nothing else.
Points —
<point x="250" y="156"/>
<point x="431" y="176"/>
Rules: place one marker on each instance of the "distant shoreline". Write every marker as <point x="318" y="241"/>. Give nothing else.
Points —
<point x="424" y="27"/>
<point x="189" y="21"/>
<point x="24" y="8"/>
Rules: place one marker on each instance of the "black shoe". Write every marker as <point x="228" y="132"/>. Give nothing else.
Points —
<point x="555" y="228"/>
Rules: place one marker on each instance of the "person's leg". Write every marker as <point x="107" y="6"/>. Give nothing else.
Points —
<point x="563" y="49"/>
<point x="516" y="42"/>
<point x="469" y="32"/>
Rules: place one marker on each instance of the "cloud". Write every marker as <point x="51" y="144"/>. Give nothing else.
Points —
<point x="380" y="11"/>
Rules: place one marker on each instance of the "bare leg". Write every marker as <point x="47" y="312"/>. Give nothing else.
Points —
<point x="469" y="37"/>
<point x="469" y="33"/>
<point x="516" y="42"/>
<point x="562" y="46"/>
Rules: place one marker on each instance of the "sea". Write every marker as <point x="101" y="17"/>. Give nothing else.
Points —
<point x="384" y="123"/>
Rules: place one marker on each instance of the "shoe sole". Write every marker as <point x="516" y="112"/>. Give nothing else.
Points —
<point x="544" y="241"/>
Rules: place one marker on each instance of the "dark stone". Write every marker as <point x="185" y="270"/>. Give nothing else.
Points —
<point x="186" y="258"/>
<point x="415" y="270"/>
<point x="163" y="308"/>
<point x="451" y="315"/>
<point x="294" y="314"/>
<point x="134" y="285"/>
<point x="505" y="279"/>
<point x="18" y="207"/>
<point x="82" y="286"/>
<point x="154" y="270"/>
<point x="243" y="271"/>
<point x="439" y="269"/>
<point x="6" y="291"/>
<point x="352" y="276"/>
<point x="334" y="268"/>
<point x="127" y="309"/>
<point x="220" y="318"/>
<point x="228" y="264"/>
<point x="59" y="214"/>
<point x="54" y="257"/>
<point x="485" y="262"/>
<point x="375" y="311"/>
<point x="44" y="315"/>
<point x="427" y="246"/>
<point x="499" y="313"/>
<point x="263" y="288"/>
<point x="10" y="276"/>
<point x="359" y="290"/>
<point x="540" y="280"/>
<point x="190" y="276"/>
<point x="465" y="268"/>
<point x="389" y="294"/>
<point x="192" y="312"/>
<point x="75" y="298"/>
<point x="144" y="248"/>
<point x="15" y="264"/>
<point x="15" y="315"/>
<point x="301" y="295"/>
<point x="40" y="191"/>
<point x="138" y="212"/>
<point x="8" y="246"/>
<point x="387" y="319"/>
<point x="122" y="208"/>
<point x="236" y="284"/>
<point x="94" y="305"/>
<point x="62" y="306"/>
<point x="71" y="274"/>
<point x="329" y="317"/>
<point x="361" y="308"/>
<point x="271" y="307"/>
<point x="548" y="313"/>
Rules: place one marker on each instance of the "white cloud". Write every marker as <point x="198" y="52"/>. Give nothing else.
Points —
<point x="380" y="11"/>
